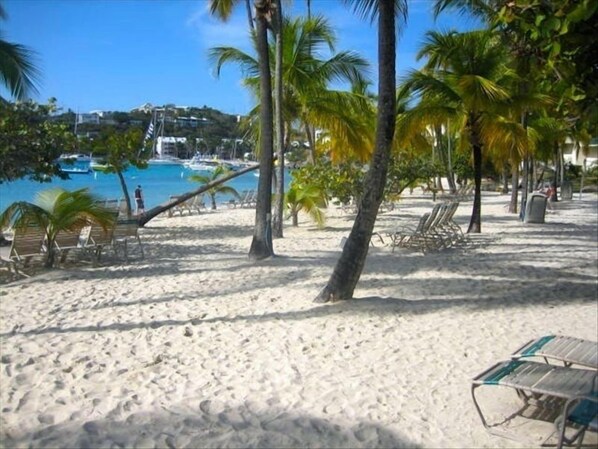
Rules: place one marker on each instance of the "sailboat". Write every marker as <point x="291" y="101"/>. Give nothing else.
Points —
<point x="160" y="155"/>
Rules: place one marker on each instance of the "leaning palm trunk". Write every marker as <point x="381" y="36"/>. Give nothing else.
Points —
<point x="347" y="271"/>
<point x="279" y="125"/>
<point x="154" y="212"/>
<point x="261" y="245"/>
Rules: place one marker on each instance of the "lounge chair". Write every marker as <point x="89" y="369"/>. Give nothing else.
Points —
<point x="69" y="240"/>
<point x="568" y="350"/>
<point x="28" y="242"/>
<point x="95" y="238"/>
<point x="123" y="232"/>
<point x="570" y="395"/>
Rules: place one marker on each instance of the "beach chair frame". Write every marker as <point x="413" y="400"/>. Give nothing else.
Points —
<point x="544" y="385"/>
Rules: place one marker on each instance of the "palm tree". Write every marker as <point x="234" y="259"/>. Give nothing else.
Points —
<point x="261" y="245"/>
<point x="348" y="268"/>
<point x="467" y="80"/>
<point x="307" y="198"/>
<point x="17" y="68"/>
<point x="57" y="210"/>
<point x="220" y="172"/>
<point x="305" y="93"/>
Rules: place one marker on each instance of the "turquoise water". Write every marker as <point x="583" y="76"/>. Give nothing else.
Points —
<point x="158" y="184"/>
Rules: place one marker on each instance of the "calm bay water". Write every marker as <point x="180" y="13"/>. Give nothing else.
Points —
<point x="158" y="184"/>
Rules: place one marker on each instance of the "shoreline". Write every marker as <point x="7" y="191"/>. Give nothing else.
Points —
<point x="195" y="346"/>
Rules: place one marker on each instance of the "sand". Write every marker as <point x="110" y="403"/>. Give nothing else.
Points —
<point x="196" y="346"/>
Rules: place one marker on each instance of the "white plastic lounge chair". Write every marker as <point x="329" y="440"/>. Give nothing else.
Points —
<point x="568" y="350"/>
<point x="573" y="393"/>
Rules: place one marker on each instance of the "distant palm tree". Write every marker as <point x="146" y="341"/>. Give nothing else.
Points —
<point x="17" y="69"/>
<point x="309" y="199"/>
<point x="219" y="172"/>
<point x="467" y="80"/>
<point x="57" y="210"/>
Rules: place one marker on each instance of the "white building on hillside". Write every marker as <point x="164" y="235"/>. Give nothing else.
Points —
<point x="167" y="146"/>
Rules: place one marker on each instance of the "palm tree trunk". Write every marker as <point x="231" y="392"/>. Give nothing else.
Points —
<point x="123" y="185"/>
<point x="261" y="245"/>
<point x="505" y="180"/>
<point x="555" y="179"/>
<point x="347" y="271"/>
<point x="514" y="186"/>
<point x="277" y="224"/>
<point x="154" y="212"/>
<point x="311" y="139"/>
<point x="475" y="224"/>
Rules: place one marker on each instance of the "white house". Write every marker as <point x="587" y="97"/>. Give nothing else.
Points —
<point x="579" y="154"/>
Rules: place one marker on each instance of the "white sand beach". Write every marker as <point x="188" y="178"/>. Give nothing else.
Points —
<point x="196" y="346"/>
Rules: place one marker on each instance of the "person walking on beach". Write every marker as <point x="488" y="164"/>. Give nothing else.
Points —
<point x="139" y="201"/>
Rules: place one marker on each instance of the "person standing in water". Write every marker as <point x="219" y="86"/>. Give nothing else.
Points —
<point x="139" y="201"/>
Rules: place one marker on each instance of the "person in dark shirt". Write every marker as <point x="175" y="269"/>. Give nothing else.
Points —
<point x="139" y="200"/>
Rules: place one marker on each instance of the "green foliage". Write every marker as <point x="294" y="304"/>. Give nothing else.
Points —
<point x="30" y="142"/>
<point x="404" y="172"/>
<point x="462" y="166"/>
<point x="57" y="210"/>
<point x="220" y="172"/>
<point x="342" y="181"/>
<point x="17" y="68"/>
<point x="120" y="148"/>
<point x="307" y="198"/>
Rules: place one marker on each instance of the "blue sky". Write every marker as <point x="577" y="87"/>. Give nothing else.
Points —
<point x="119" y="54"/>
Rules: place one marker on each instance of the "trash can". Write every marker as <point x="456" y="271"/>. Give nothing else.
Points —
<point x="566" y="191"/>
<point x="535" y="209"/>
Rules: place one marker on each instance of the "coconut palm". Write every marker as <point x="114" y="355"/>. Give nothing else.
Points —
<point x="57" y="210"/>
<point x="17" y="68"/>
<point x="261" y="244"/>
<point x="468" y="81"/>
<point x="305" y="93"/>
<point x="306" y="198"/>
<point x="220" y="172"/>
<point x="348" y="268"/>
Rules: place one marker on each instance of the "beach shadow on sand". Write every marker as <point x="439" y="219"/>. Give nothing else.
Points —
<point x="212" y="424"/>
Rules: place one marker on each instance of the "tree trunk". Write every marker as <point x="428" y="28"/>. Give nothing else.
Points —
<point x="555" y="179"/>
<point x="123" y="184"/>
<point x="347" y="271"/>
<point x="524" y="178"/>
<point x="505" y="180"/>
<point x="475" y="224"/>
<point x="261" y="245"/>
<point x="213" y="200"/>
<point x="295" y="217"/>
<point x="311" y="139"/>
<point x="514" y="186"/>
<point x="51" y="254"/>
<point x="154" y="212"/>
<point x="277" y="225"/>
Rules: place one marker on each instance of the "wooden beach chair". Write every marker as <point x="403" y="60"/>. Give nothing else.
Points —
<point x="28" y="242"/>
<point x="69" y="240"/>
<point x="570" y="394"/>
<point x="124" y="231"/>
<point x="95" y="238"/>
